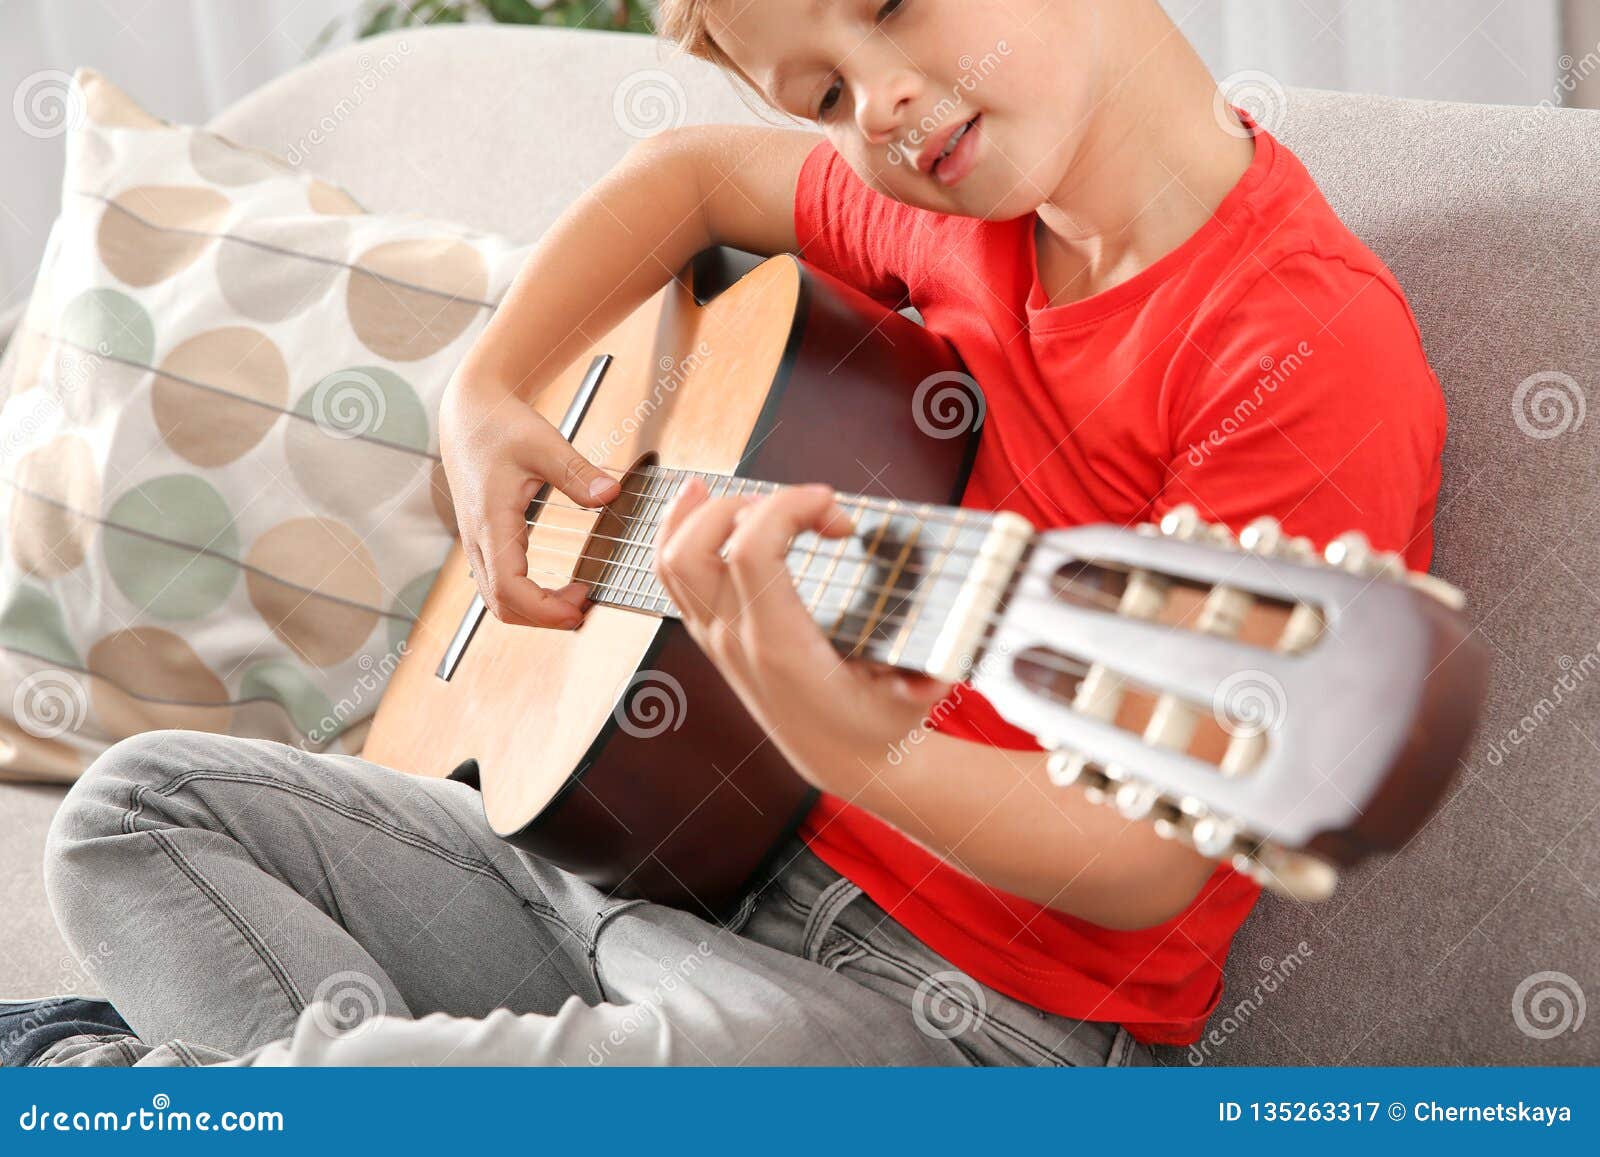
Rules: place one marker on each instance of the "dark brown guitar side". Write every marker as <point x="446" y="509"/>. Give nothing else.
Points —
<point x="806" y="380"/>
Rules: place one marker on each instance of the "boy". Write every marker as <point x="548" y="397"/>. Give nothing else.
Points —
<point x="1161" y="309"/>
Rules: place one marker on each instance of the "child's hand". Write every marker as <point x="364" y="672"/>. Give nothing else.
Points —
<point x="723" y="563"/>
<point x="497" y="452"/>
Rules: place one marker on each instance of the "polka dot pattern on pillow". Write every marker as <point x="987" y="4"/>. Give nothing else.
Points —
<point x="223" y="501"/>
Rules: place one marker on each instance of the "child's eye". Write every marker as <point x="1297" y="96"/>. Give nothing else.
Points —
<point x="889" y="9"/>
<point x="830" y="99"/>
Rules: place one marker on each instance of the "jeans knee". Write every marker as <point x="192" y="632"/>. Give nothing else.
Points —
<point x="96" y="808"/>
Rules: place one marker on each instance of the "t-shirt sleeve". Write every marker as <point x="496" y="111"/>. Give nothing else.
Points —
<point x="1314" y="403"/>
<point x="845" y="228"/>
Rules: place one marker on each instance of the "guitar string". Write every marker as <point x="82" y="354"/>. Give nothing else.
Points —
<point x="906" y="512"/>
<point x="936" y="511"/>
<point x="795" y="546"/>
<point x="885" y="505"/>
<point x="863" y="637"/>
<point x="1053" y="662"/>
<point x="906" y="605"/>
<point x="1108" y="601"/>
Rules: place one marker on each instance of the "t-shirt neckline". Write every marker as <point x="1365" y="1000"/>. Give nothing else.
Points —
<point x="1072" y="313"/>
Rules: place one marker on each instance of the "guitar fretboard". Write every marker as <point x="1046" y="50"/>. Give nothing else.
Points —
<point x="884" y="592"/>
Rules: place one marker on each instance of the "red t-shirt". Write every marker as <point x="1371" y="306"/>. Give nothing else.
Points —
<point x="1269" y="365"/>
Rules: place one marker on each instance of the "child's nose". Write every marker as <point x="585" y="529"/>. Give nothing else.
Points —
<point x="884" y="108"/>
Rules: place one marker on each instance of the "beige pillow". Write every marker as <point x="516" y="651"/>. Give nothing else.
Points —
<point x="223" y="502"/>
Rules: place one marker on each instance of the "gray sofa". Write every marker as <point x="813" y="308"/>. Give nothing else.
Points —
<point x="1488" y="216"/>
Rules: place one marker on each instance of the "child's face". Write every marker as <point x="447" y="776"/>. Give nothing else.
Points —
<point x="887" y="81"/>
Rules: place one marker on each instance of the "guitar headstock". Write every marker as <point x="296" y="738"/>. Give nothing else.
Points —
<point x="1286" y="710"/>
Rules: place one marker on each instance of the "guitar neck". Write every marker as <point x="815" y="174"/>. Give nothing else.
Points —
<point x="912" y="586"/>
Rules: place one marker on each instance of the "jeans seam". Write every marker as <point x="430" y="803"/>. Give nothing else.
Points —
<point x="356" y="815"/>
<point x="987" y="1018"/>
<point x="832" y="900"/>
<point x="889" y="957"/>
<point x="297" y="1001"/>
<point x="185" y="1055"/>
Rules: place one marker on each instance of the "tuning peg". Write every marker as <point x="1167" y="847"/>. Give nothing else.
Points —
<point x="1350" y="551"/>
<point x="1064" y="768"/>
<point x="1263" y="536"/>
<point x="1212" y="836"/>
<point x="1299" y="549"/>
<point x="1181" y="522"/>
<point x="1293" y="874"/>
<point x="1136" y="800"/>
<point x="1451" y="596"/>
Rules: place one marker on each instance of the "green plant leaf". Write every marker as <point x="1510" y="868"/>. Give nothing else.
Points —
<point x="514" y="11"/>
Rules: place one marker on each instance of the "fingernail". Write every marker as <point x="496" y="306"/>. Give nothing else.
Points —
<point x="599" y="486"/>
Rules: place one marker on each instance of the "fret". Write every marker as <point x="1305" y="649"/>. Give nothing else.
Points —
<point x="632" y="550"/>
<point x="930" y="582"/>
<point x="861" y="573"/>
<point x="886" y="609"/>
<point x="805" y="563"/>
<point x="609" y="576"/>
<point x="872" y="620"/>
<point x="621" y="552"/>
<point x="839" y="550"/>
<point x="647" y="524"/>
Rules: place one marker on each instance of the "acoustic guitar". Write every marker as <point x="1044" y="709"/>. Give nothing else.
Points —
<point x="1288" y="711"/>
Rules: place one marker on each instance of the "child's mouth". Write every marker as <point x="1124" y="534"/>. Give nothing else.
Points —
<point x="960" y="154"/>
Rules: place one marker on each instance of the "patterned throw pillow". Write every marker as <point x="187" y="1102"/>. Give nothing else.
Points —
<point x="222" y="501"/>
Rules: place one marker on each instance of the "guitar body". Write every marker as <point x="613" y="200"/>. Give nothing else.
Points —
<point x="617" y="751"/>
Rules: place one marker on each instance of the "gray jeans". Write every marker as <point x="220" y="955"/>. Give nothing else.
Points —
<point x="252" y="904"/>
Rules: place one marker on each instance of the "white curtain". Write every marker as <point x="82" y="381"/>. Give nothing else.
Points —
<point x="181" y="59"/>
<point x="1493" y="51"/>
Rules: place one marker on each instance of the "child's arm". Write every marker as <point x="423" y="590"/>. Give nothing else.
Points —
<point x="614" y="247"/>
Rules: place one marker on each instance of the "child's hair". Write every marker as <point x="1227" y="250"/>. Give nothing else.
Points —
<point x="684" y="23"/>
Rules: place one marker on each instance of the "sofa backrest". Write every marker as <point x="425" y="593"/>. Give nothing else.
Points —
<point x="1460" y="950"/>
